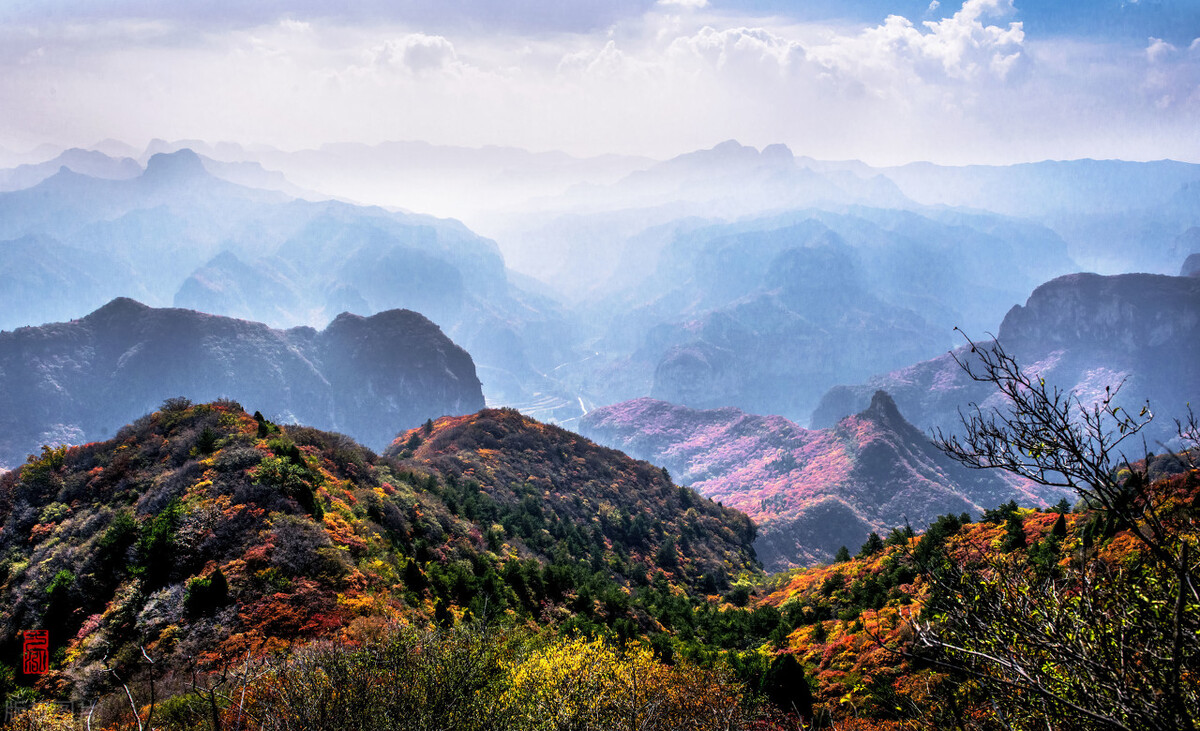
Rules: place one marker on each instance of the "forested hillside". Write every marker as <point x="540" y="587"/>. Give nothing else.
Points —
<point x="201" y="536"/>
<point x="206" y="568"/>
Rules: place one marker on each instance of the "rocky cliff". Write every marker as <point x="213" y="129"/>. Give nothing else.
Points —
<point x="369" y="377"/>
<point x="1081" y="332"/>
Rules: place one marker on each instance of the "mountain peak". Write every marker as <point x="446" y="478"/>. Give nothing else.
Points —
<point x="180" y="165"/>
<point x="401" y="318"/>
<point x="883" y="407"/>
<point x="1133" y="311"/>
<point x="1191" y="266"/>
<point x="118" y="313"/>
<point x="810" y="490"/>
<point x="225" y="258"/>
<point x="777" y="152"/>
<point x="724" y="152"/>
<point x="64" y="175"/>
<point x="120" y="306"/>
<point x="366" y="381"/>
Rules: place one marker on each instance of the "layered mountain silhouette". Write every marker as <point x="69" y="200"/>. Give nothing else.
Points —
<point x="732" y="276"/>
<point x="575" y="241"/>
<point x="1115" y="215"/>
<point x="1047" y="187"/>
<point x="809" y="491"/>
<point x="87" y="162"/>
<point x="769" y="313"/>
<point x="176" y="234"/>
<point x="1082" y="333"/>
<point x="368" y="377"/>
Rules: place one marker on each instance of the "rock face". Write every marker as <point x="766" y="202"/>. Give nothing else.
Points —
<point x="809" y="491"/>
<point x="393" y="363"/>
<point x="1131" y="313"/>
<point x="1081" y="332"/>
<point x="368" y="377"/>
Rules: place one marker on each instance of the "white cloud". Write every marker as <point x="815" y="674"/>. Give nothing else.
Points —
<point x="609" y="61"/>
<point x="960" y="47"/>
<point x="933" y="5"/>
<point x="1159" y="49"/>
<point x="753" y="48"/>
<point x="1172" y="77"/>
<point x="415" y="52"/>
<point x="684" y="3"/>
<point x="295" y="26"/>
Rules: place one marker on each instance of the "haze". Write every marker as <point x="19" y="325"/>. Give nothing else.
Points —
<point x="888" y="82"/>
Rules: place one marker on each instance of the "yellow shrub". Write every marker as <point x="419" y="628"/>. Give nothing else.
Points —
<point x="43" y="717"/>
<point x="584" y="685"/>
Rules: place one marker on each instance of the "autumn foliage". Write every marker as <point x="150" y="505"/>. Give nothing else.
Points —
<point x="201" y="538"/>
<point x="206" y="569"/>
<point x="471" y="677"/>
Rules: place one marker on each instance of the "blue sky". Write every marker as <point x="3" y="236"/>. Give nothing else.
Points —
<point x="886" y="81"/>
<point x="1174" y="20"/>
<point x="1177" y="21"/>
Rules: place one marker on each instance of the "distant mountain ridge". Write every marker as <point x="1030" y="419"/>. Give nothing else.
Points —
<point x="766" y="314"/>
<point x="443" y="180"/>
<point x="369" y="377"/>
<point x="689" y="279"/>
<point x="728" y="182"/>
<point x="1115" y="215"/>
<point x="178" y="234"/>
<point x="99" y="164"/>
<point x="1049" y="186"/>
<point x="68" y="201"/>
<point x="87" y="162"/>
<point x="809" y="491"/>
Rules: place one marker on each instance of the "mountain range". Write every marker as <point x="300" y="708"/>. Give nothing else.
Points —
<point x="177" y="234"/>
<point x="369" y="377"/>
<point x="863" y="466"/>
<point x="1114" y="214"/>
<point x="689" y="279"/>
<point x="728" y="277"/>
<point x="281" y="473"/>
<point x="767" y="314"/>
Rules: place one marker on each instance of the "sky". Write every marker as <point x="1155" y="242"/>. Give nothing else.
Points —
<point x="885" y="81"/>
